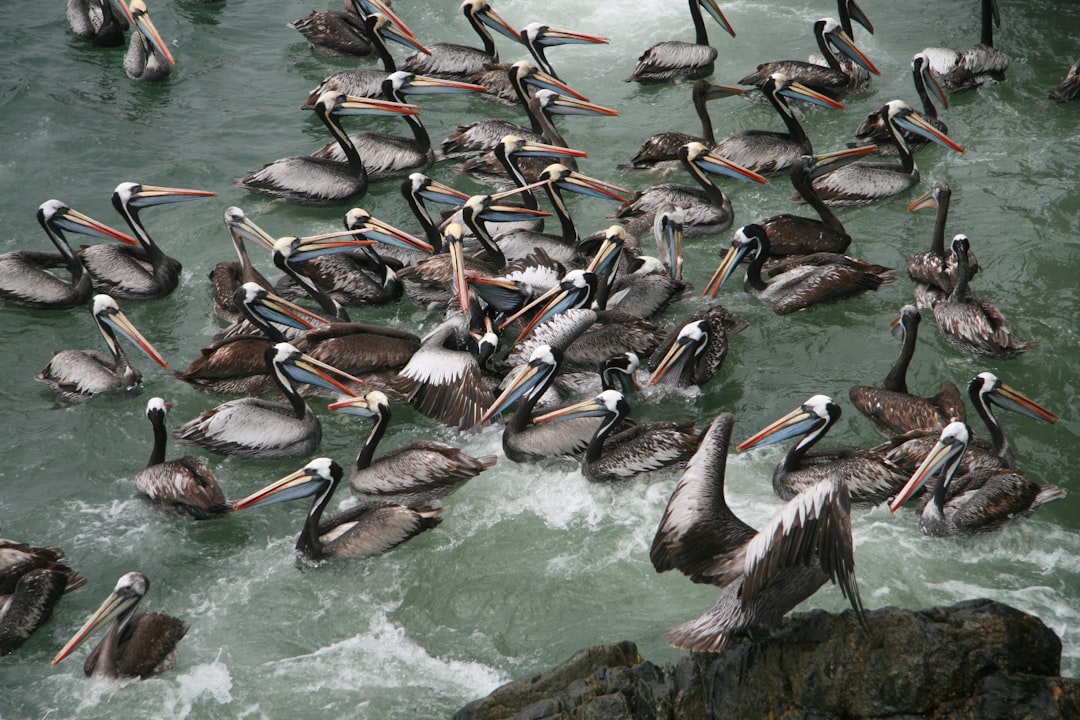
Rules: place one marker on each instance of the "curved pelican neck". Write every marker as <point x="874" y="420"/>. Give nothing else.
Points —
<point x="596" y="445"/>
<point x="157" y="452"/>
<point x="309" y="544"/>
<point x="378" y="430"/>
<point x="356" y="164"/>
<point x="558" y="204"/>
<point x="701" y="107"/>
<point x="826" y="49"/>
<point x="896" y="380"/>
<point x="937" y="242"/>
<point x="131" y="217"/>
<point x="480" y="231"/>
<point x="701" y="37"/>
<point x="999" y="444"/>
<point x="75" y="266"/>
<point x="794" y="456"/>
<point x="284" y="383"/>
<point x="794" y="127"/>
<point x="485" y="36"/>
<point x="987" y="31"/>
<point x="804" y="185"/>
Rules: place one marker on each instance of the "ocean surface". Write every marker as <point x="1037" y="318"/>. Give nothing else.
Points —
<point x="531" y="562"/>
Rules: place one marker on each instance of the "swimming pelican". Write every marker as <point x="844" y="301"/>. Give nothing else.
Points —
<point x="985" y="499"/>
<point x="414" y="474"/>
<point x="291" y="255"/>
<point x="848" y="10"/>
<point x="321" y="181"/>
<point x="148" y="57"/>
<point x="646" y="285"/>
<point x="186" y="485"/>
<point x="362" y="531"/>
<point x="343" y="33"/>
<point x="934" y="271"/>
<point x="675" y="60"/>
<point x="980" y="64"/>
<point x="226" y="277"/>
<point x="660" y="152"/>
<point x="259" y="429"/>
<point x="861" y="183"/>
<point x="1069" y="88"/>
<point x="873" y="129"/>
<point x="798" y="281"/>
<point x="136" y="644"/>
<point x="32" y="581"/>
<point x="764" y="573"/>
<point x="460" y="62"/>
<point x="642" y="448"/>
<point x="26" y="276"/>
<point x="890" y="407"/>
<point x="78" y="375"/>
<point x="694" y="352"/>
<point x="831" y="79"/>
<point x="973" y="325"/>
<point x="870" y="477"/>
<point x="99" y="22"/>
<point x="145" y="272"/>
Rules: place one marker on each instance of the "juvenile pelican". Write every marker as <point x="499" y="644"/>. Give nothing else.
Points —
<point x="227" y="277"/>
<point x="660" y="152"/>
<point x="934" y="271"/>
<point x="344" y="33"/>
<point x="148" y="57"/>
<point x="675" y="60"/>
<point x="78" y="375"/>
<point x="980" y="64"/>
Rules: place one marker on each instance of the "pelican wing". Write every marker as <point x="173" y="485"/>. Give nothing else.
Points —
<point x="373" y="529"/>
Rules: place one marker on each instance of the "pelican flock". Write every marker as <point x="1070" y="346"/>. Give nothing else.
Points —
<point x="479" y="333"/>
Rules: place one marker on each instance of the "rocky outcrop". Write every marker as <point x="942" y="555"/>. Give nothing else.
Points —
<point x="978" y="659"/>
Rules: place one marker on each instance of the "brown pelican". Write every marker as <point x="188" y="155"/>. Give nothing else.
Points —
<point x="676" y="61"/>
<point x="32" y="581"/>
<point x="78" y="375"/>
<point x="661" y="151"/>
<point x="321" y="181"/>
<point x="861" y="183"/>
<point x="414" y="474"/>
<point x="984" y="499"/>
<point x="254" y="428"/>
<point x="26" y="276"/>
<point x="1068" y="88"/>
<point x="873" y="129"/>
<point x="99" y="22"/>
<point x="460" y="62"/>
<point x="934" y="271"/>
<point x="148" y="57"/>
<point x="343" y="33"/>
<point x="798" y="281"/>
<point x="693" y="353"/>
<point x="144" y="272"/>
<point x="186" y="485"/>
<point x="973" y="325"/>
<point x="764" y="573"/>
<point x="226" y="277"/>
<point x="871" y="479"/>
<point x="708" y="210"/>
<point x="830" y="79"/>
<point x="362" y="531"/>
<point x="980" y="64"/>
<point x="889" y="405"/>
<point x="367" y="82"/>
<point x="642" y="448"/>
<point x="136" y="644"/>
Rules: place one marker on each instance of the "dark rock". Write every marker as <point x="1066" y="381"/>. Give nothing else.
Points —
<point x="976" y="659"/>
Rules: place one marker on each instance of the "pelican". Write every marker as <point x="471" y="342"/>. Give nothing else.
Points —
<point x="708" y="210"/>
<point x="798" y="281"/>
<point x="417" y="188"/>
<point x="343" y="33"/>
<point x="984" y="499"/>
<point x="145" y="272"/>
<point x="414" y="474"/>
<point x="367" y="82"/>
<point x="1068" y="88"/>
<point x="460" y="62"/>
<point x="226" y="278"/>
<point x="386" y="155"/>
<point x="848" y="10"/>
<point x="642" y="448"/>
<point x="321" y="181"/>
<point x="980" y="64"/>
<point x="676" y="61"/>
<point x="861" y="183"/>
<point x="32" y="581"/>
<point x="648" y="285"/>
<point x="137" y="644"/>
<point x="889" y="405"/>
<point x="764" y="573"/>
<point x="660" y="152"/>
<point x="26" y="276"/>
<point x="973" y="325"/>
<point x="873" y="129"/>
<point x="362" y="531"/>
<point x="148" y="57"/>
<point x="934" y="271"/>
<point x="871" y="479"/>
<point x="259" y="429"/>
<point x="291" y="255"/>
<point x="694" y="352"/>
<point x="78" y="375"/>
<point x="186" y="484"/>
<point x="100" y="22"/>
<point x="831" y="79"/>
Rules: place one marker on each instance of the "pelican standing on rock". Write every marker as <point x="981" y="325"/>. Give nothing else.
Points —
<point x="675" y="60"/>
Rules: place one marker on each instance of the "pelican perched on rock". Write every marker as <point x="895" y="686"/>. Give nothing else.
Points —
<point x="934" y="271"/>
<point x="148" y="57"/>
<point x="27" y="277"/>
<point x="980" y="501"/>
<point x="889" y="405"/>
<point x="362" y="531"/>
<point x="871" y="479"/>
<point x="414" y="474"/>
<point x="100" y="22"/>
<point x="763" y="573"/>
<point x="322" y="181"/>
<point x="137" y="273"/>
<point x="460" y="62"/>
<point x="980" y="64"/>
<point x="185" y="484"/>
<point x="694" y="352"/>
<point x="798" y="281"/>
<point x="675" y="60"/>
<point x="78" y="375"/>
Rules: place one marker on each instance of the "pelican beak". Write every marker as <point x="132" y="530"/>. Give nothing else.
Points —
<point x="242" y="226"/>
<point x="492" y="19"/>
<point x="727" y="266"/>
<point x="798" y="91"/>
<point x="609" y="253"/>
<point x="913" y="123"/>
<point x="795" y="423"/>
<point x="396" y="31"/>
<point x="280" y="311"/>
<point x="1016" y="401"/>
<point x="933" y="86"/>
<point x="939" y="456"/>
<point x="719" y="165"/>
<point x="895" y="328"/>
<point x="510" y="213"/>
<point x="550" y="36"/>
<point x="118" y="603"/>
<point x="713" y="9"/>
<point x="435" y="191"/>
<point x="389" y="235"/>
<point x="423" y="85"/>
<point x="922" y="203"/>
<point x="148" y="195"/>
<point x="565" y="105"/>
<point x="119" y="322"/>
<point x="141" y="19"/>
<point x="457" y="263"/>
<point x="538" y="149"/>
<point x="295" y="485"/>
<point x="307" y="369"/>
<point x="856" y="13"/>
<point x="370" y="7"/>
<point x="74" y="221"/>
<point x="353" y="406"/>
<point x="681" y="351"/>
<point x="561" y="299"/>
<point x="586" y="408"/>
<point x="524" y="380"/>
<point x="584" y="185"/>
<point x="843" y="42"/>
<point x="355" y="105"/>
<point x="313" y="246"/>
<point x="671" y="234"/>
<point x="539" y="78"/>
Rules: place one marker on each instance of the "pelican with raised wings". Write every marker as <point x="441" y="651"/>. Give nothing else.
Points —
<point x="676" y="60"/>
<point x="980" y="64"/>
<point x="763" y="573"/>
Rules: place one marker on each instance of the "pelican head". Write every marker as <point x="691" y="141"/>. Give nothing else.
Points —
<point x="811" y="419"/>
<point x="120" y="605"/>
<point x="313" y="478"/>
<point x="945" y="456"/>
